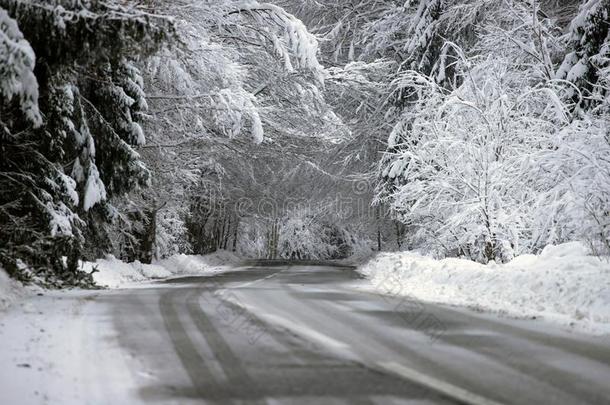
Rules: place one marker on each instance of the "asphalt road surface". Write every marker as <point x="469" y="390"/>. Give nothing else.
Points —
<point x="315" y="334"/>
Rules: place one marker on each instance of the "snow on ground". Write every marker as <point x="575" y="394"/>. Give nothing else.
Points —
<point x="10" y="290"/>
<point x="564" y="284"/>
<point x="59" y="349"/>
<point x="115" y="273"/>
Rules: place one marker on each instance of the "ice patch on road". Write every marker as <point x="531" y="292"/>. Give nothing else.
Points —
<point x="114" y="273"/>
<point x="564" y="284"/>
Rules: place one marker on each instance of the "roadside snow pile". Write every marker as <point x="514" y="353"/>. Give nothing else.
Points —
<point x="564" y="284"/>
<point x="10" y="290"/>
<point x="196" y="264"/>
<point x="112" y="272"/>
<point x="115" y="273"/>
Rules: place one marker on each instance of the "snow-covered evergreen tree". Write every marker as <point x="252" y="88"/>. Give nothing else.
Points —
<point x="587" y="62"/>
<point x="68" y="149"/>
<point x="17" y="60"/>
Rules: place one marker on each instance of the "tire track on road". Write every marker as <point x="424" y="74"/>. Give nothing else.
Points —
<point x="298" y="346"/>
<point x="201" y="376"/>
<point x="238" y="377"/>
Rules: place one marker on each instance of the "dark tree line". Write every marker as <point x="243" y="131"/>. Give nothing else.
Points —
<point x="59" y="173"/>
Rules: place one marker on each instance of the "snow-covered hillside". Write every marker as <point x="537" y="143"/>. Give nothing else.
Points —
<point x="564" y="284"/>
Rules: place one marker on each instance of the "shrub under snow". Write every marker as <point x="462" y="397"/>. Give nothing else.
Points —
<point x="500" y="163"/>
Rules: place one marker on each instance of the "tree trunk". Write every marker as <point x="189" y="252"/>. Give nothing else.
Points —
<point x="149" y="238"/>
<point x="227" y="235"/>
<point x="235" y="235"/>
<point x="378" y="217"/>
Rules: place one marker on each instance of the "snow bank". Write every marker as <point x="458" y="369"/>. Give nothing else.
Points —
<point x="112" y="272"/>
<point x="10" y="290"/>
<point x="115" y="273"/>
<point x="564" y="284"/>
<point x="196" y="264"/>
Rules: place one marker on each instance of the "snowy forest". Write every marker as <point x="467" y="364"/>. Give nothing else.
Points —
<point x="300" y="129"/>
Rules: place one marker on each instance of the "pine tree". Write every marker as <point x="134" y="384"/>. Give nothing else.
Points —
<point x="59" y="167"/>
<point x="587" y="65"/>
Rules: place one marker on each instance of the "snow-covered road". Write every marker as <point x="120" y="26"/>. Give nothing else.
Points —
<point x="285" y="334"/>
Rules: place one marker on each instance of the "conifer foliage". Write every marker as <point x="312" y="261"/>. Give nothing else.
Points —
<point x="71" y="102"/>
<point x="587" y="64"/>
